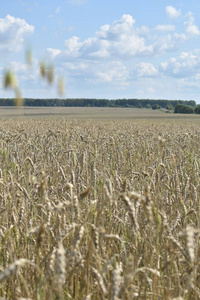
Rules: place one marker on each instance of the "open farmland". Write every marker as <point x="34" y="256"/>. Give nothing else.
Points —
<point x="92" y="113"/>
<point x="99" y="210"/>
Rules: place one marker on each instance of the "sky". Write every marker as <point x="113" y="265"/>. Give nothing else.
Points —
<point x="103" y="48"/>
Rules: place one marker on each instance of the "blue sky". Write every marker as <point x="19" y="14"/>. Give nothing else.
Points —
<point x="103" y="49"/>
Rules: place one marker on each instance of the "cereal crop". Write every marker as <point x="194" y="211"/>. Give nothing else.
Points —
<point x="99" y="210"/>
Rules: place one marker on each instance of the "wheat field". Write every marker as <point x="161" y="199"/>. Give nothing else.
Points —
<point x="99" y="210"/>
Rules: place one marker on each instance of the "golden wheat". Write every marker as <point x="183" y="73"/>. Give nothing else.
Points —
<point x="99" y="210"/>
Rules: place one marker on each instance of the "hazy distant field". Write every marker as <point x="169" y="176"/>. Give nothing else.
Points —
<point x="97" y="113"/>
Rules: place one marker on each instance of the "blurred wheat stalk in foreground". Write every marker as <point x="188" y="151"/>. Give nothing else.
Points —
<point x="47" y="72"/>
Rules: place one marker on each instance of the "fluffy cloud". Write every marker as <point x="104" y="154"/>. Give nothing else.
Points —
<point x="190" y="27"/>
<point x="53" y="52"/>
<point x="187" y="64"/>
<point x="75" y="66"/>
<point x="120" y="53"/>
<point x="24" y="70"/>
<point x="191" y="82"/>
<point x="146" y="70"/>
<point x="113" y="73"/>
<point x="123" y="40"/>
<point x="12" y="33"/>
<point x="172" y="12"/>
<point x="120" y="39"/>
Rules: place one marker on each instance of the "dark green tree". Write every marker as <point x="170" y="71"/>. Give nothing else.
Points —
<point x="197" y="109"/>
<point x="156" y="106"/>
<point x="169" y="107"/>
<point x="183" y="109"/>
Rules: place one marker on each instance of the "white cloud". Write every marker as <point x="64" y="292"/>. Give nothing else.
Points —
<point x="73" y="46"/>
<point x="190" y="27"/>
<point x="123" y="40"/>
<point x="24" y="73"/>
<point x="75" y="66"/>
<point x="193" y="82"/>
<point x="106" y="58"/>
<point x="114" y="72"/>
<point x="53" y="52"/>
<point x="180" y="37"/>
<point x="146" y="69"/>
<point x="165" y="28"/>
<point x="143" y="31"/>
<point x="164" y="65"/>
<point x="172" y="12"/>
<point x="18" y="67"/>
<point x="119" y="39"/>
<point x="12" y="33"/>
<point x="166" y="43"/>
<point x="187" y="64"/>
<point x="103" y="50"/>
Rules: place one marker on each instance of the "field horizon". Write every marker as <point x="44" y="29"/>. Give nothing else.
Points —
<point x="91" y="113"/>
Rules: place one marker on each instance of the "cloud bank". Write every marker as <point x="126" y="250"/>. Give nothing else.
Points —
<point x="123" y="40"/>
<point x="120" y="55"/>
<point x="12" y="33"/>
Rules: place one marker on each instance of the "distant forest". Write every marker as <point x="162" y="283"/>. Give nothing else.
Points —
<point x="84" y="102"/>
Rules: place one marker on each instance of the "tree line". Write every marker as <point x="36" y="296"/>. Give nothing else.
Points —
<point x="187" y="109"/>
<point x="90" y="102"/>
